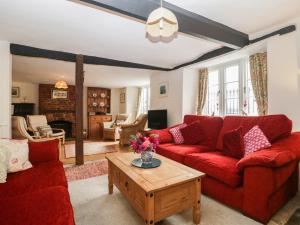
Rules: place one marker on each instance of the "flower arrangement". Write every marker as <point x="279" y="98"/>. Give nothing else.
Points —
<point x="140" y="143"/>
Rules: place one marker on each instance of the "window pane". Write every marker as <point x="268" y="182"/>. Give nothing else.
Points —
<point x="213" y="93"/>
<point x="231" y="89"/>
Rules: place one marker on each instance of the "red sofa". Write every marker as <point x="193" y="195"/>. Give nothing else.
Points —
<point x="259" y="184"/>
<point x="38" y="195"/>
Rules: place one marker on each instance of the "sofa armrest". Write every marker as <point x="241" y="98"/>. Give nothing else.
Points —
<point x="270" y="158"/>
<point x="44" y="151"/>
<point x="164" y="135"/>
<point x="260" y="183"/>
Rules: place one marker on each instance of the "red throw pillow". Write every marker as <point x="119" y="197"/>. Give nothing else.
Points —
<point x="192" y="133"/>
<point x="44" y="151"/>
<point x="255" y="140"/>
<point x="233" y="143"/>
<point x="176" y="133"/>
<point x="164" y="135"/>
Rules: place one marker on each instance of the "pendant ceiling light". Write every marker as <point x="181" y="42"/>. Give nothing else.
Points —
<point x="61" y="84"/>
<point x="162" y="25"/>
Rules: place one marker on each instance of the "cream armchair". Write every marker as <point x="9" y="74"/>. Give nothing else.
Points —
<point x="36" y="122"/>
<point x="131" y="129"/>
<point x="111" y="129"/>
<point x="20" y="129"/>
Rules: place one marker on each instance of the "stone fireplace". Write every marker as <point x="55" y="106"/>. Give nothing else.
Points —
<point x="60" y="113"/>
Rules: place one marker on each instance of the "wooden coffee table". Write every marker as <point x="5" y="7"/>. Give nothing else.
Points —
<point x="159" y="192"/>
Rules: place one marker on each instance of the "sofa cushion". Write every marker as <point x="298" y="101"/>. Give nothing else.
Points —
<point x="40" y="176"/>
<point x="176" y="133"/>
<point x="234" y="143"/>
<point x="211" y="126"/>
<point x="49" y="206"/>
<point x="44" y="151"/>
<point x="193" y="133"/>
<point x="178" y="152"/>
<point x="255" y="140"/>
<point x="216" y="165"/>
<point x="164" y="135"/>
<point x="274" y="127"/>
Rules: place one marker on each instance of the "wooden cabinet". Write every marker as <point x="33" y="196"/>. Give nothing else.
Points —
<point x="95" y="128"/>
<point x="98" y="100"/>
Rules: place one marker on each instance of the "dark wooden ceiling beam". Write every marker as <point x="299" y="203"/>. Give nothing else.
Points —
<point x="23" y="50"/>
<point x="189" y="23"/>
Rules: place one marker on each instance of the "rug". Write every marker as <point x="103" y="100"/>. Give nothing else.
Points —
<point x="89" y="169"/>
<point x="295" y="218"/>
<point x="91" y="148"/>
<point x="94" y="206"/>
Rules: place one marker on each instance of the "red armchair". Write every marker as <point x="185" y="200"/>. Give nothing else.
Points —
<point x="38" y="195"/>
<point x="259" y="184"/>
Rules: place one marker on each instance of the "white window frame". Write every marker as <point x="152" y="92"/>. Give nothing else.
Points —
<point x="242" y="70"/>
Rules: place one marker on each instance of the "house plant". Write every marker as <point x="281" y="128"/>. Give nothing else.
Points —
<point x="145" y="146"/>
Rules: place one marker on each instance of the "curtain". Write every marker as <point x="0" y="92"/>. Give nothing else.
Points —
<point x="202" y="92"/>
<point x="143" y="100"/>
<point x="258" y="73"/>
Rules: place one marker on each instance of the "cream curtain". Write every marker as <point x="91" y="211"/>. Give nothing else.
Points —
<point x="258" y="73"/>
<point x="203" y="79"/>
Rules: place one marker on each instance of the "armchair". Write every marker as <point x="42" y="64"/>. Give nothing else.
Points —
<point x="20" y="129"/>
<point x="131" y="129"/>
<point x="111" y="129"/>
<point x="38" y="122"/>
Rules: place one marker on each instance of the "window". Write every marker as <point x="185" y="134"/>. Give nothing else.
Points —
<point x="230" y="90"/>
<point x="144" y="100"/>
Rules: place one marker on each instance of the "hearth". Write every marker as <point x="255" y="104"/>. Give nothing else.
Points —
<point x="62" y="124"/>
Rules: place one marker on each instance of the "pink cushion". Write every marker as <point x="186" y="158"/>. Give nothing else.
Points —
<point x="255" y="140"/>
<point x="176" y="133"/>
<point x="193" y="133"/>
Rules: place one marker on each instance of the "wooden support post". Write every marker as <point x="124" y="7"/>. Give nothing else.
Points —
<point x="79" y="79"/>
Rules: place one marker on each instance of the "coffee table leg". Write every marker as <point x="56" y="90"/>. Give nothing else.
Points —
<point x="149" y="220"/>
<point x="110" y="179"/>
<point x="197" y="204"/>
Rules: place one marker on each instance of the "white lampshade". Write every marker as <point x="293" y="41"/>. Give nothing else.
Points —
<point x="161" y="24"/>
<point x="61" y="84"/>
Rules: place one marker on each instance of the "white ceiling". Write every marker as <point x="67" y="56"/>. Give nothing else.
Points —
<point x="68" y="26"/>
<point x="47" y="71"/>
<point x="248" y="16"/>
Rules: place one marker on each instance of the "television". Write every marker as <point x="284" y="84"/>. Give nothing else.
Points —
<point x="157" y="119"/>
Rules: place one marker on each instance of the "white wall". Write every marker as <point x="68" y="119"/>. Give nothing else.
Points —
<point x="132" y="102"/>
<point x="190" y="91"/>
<point x="172" y="102"/>
<point x="28" y="90"/>
<point x="5" y="87"/>
<point x="115" y="101"/>
<point x="283" y="80"/>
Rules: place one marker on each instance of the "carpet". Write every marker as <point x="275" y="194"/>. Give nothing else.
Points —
<point x="93" y="206"/>
<point x="89" y="169"/>
<point x="91" y="148"/>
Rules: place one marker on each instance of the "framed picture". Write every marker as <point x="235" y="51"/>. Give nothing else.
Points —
<point x="122" y="98"/>
<point x="59" y="94"/>
<point x="163" y="89"/>
<point x="15" y="92"/>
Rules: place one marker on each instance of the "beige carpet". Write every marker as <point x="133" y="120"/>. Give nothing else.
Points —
<point x="93" y="206"/>
<point x="90" y="148"/>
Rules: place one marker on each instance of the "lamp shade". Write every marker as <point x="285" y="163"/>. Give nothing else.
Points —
<point x="161" y="23"/>
<point x="61" y="84"/>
